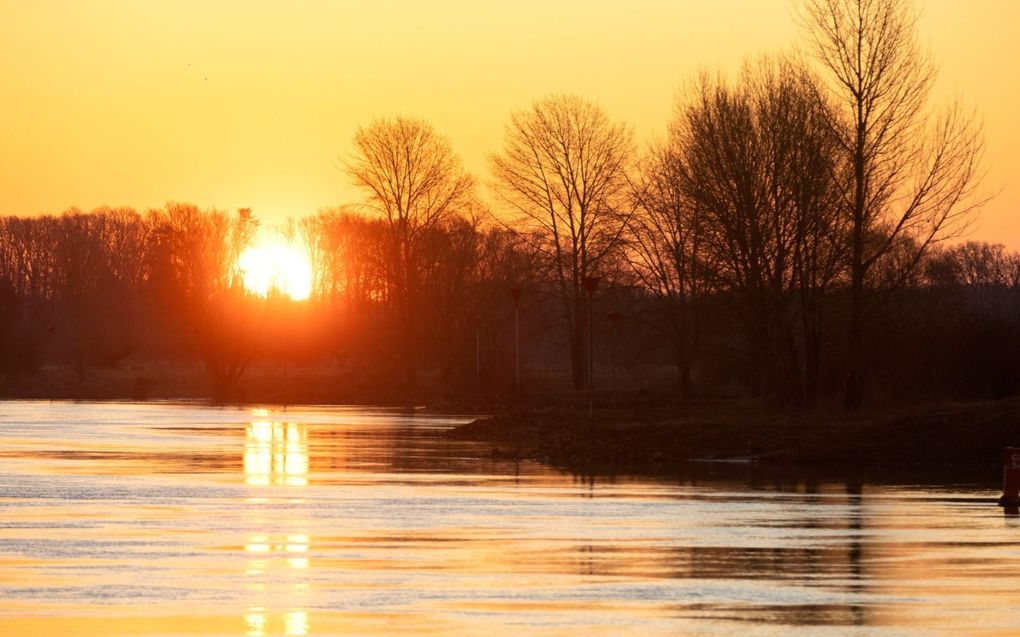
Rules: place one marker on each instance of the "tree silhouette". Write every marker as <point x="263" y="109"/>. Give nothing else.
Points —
<point x="195" y="260"/>
<point x="758" y="159"/>
<point x="914" y="172"/>
<point x="562" y="171"/>
<point x="413" y="179"/>
<point x="667" y="241"/>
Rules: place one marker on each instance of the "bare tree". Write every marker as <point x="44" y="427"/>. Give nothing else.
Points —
<point x="562" y="171"/>
<point x="414" y="181"/>
<point x="758" y="158"/>
<point x="80" y="274"/>
<point x="100" y="260"/>
<point x="914" y="172"/>
<point x="989" y="275"/>
<point x="667" y="239"/>
<point x="195" y="256"/>
<point x="347" y="254"/>
<point x="973" y="263"/>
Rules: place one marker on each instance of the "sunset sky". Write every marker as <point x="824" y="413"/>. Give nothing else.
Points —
<point x="253" y="104"/>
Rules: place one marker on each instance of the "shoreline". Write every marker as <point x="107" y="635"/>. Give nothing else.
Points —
<point x="635" y="431"/>
<point x="266" y="385"/>
<point x="954" y="437"/>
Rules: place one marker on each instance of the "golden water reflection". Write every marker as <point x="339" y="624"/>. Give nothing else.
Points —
<point x="258" y="623"/>
<point x="276" y="453"/>
<point x="117" y="530"/>
<point x="292" y="548"/>
<point x="276" y="572"/>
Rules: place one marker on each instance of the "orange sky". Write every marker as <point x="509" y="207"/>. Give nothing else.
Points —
<point x="248" y="103"/>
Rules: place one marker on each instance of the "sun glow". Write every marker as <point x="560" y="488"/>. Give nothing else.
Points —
<point x="275" y="265"/>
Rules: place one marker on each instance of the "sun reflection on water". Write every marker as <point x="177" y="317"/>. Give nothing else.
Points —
<point x="293" y="547"/>
<point x="277" y="568"/>
<point x="258" y="623"/>
<point x="398" y="531"/>
<point x="276" y="453"/>
<point x="277" y="571"/>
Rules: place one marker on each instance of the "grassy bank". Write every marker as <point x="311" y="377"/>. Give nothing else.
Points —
<point x="635" y="434"/>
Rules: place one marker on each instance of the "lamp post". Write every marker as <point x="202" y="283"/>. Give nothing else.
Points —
<point x="516" y="294"/>
<point x="591" y="283"/>
<point x="478" y="355"/>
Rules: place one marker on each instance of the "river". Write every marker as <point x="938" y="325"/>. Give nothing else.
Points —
<point x="169" y="519"/>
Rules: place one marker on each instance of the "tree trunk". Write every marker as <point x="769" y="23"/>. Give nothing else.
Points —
<point x="579" y="347"/>
<point x="408" y="315"/>
<point x="853" y="396"/>
<point x="683" y="373"/>
<point x="812" y="367"/>
<point x="854" y="391"/>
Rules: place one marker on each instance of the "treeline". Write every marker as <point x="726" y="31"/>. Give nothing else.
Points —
<point x="93" y="289"/>
<point x="786" y="239"/>
<point x="113" y="287"/>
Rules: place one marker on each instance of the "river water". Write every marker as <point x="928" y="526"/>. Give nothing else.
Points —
<point x="162" y="519"/>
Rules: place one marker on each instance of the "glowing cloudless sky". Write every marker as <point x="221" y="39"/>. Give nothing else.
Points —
<point x="253" y="104"/>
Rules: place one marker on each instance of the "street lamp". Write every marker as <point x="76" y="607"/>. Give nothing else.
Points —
<point x="591" y="283"/>
<point x="478" y="355"/>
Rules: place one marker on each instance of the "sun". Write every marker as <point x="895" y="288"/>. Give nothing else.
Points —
<point x="274" y="265"/>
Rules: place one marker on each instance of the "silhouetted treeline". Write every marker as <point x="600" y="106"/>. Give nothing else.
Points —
<point x="114" y="288"/>
<point x="785" y="239"/>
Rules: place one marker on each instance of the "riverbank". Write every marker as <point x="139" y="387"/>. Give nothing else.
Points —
<point x="261" y="384"/>
<point x="642" y="430"/>
<point x="952" y="436"/>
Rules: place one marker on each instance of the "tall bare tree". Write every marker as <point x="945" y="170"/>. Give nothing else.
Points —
<point x="415" y="181"/>
<point x="914" y="171"/>
<point x="667" y="239"/>
<point x="562" y="171"/>
<point x="757" y="157"/>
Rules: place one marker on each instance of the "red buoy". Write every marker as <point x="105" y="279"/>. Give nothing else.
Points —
<point x="1010" y="477"/>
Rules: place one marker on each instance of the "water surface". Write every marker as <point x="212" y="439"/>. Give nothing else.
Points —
<point x="160" y="519"/>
